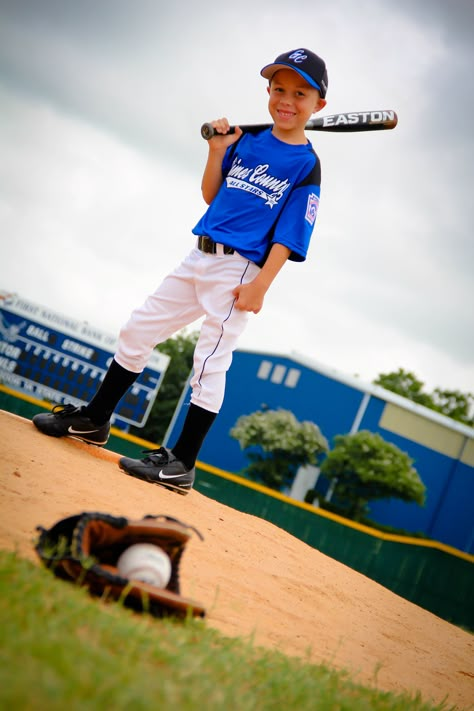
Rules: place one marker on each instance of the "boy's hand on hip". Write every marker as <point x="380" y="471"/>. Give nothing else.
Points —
<point x="249" y="297"/>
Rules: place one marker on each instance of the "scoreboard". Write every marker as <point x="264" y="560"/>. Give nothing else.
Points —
<point x="48" y="355"/>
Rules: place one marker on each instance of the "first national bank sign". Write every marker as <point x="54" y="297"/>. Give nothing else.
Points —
<point x="50" y="356"/>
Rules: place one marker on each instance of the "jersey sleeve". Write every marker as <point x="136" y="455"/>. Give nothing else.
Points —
<point x="296" y="223"/>
<point x="228" y="157"/>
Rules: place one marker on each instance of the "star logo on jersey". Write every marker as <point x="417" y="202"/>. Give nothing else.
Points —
<point x="272" y="200"/>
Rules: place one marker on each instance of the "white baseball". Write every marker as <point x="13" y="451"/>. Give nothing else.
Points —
<point x="147" y="563"/>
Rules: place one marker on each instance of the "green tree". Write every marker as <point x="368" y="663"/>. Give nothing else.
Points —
<point x="405" y="384"/>
<point x="455" y="404"/>
<point x="364" y="467"/>
<point x="277" y="445"/>
<point x="180" y="348"/>
<point x="452" y="403"/>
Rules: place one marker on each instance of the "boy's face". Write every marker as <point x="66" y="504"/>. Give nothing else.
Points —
<point x="292" y="102"/>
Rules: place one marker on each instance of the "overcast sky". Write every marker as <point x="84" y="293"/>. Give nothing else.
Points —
<point x="101" y="103"/>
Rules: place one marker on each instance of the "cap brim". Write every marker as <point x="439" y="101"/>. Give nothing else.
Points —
<point x="270" y="69"/>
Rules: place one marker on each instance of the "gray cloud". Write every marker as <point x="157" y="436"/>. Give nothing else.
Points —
<point x="99" y="134"/>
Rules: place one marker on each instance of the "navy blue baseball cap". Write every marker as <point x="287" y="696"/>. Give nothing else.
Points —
<point x="311" y="67"/>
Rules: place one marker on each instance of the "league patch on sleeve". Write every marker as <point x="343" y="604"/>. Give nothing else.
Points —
<point x="312" y="208"/>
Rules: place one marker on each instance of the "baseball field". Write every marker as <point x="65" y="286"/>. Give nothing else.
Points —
<point x="258" y="583"/>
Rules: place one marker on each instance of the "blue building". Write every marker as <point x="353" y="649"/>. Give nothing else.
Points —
<point x="442" y="449"/>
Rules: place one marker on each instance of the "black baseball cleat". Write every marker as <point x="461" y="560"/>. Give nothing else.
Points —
<point x="160" y="466"/>
<point x="69" y="421"/>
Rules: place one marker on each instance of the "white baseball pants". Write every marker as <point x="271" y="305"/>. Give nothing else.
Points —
<point x="201" y="286"/>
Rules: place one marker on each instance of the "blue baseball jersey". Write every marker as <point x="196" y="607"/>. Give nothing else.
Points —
<point x="270" y="194"/>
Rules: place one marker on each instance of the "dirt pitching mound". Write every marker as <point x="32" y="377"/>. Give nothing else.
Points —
<point x="256" y="580"/>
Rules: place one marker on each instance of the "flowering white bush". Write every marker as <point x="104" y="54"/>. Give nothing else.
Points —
<point x="279" y="444"/>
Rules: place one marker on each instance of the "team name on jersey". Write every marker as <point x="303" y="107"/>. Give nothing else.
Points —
<point x="257" y="181"/>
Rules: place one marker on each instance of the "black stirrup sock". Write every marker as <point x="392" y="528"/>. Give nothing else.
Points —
<point x="113" y="387"/>
<point x="196" y="426"/>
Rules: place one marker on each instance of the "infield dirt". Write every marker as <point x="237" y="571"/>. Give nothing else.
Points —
<point x="257" y="581"/>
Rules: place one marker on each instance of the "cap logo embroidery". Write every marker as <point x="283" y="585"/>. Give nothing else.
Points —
<point x="298" y="56"/>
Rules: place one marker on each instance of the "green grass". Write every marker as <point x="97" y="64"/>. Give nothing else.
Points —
<point x="61" y="649"/>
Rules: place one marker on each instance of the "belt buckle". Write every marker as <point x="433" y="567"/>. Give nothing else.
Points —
<point x="207" y="245"/>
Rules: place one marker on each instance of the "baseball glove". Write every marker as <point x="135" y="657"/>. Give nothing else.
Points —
<point x="85" y="549"/>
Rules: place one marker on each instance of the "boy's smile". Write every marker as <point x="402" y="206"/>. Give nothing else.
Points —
<point x="292" y="101"/>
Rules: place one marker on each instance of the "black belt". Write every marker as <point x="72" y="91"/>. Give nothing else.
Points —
<point x="207" y="245"/>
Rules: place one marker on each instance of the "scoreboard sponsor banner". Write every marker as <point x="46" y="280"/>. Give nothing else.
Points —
<point x="46" y="354"/>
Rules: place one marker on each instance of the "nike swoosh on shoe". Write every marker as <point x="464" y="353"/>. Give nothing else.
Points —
<point x="71" y="430"/>
<point x="170" y="476"/>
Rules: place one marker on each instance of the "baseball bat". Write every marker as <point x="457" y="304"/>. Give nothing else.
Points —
<point x="339" y="123"/>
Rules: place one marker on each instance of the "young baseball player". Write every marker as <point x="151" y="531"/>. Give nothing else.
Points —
<point x="263" y="195"/>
